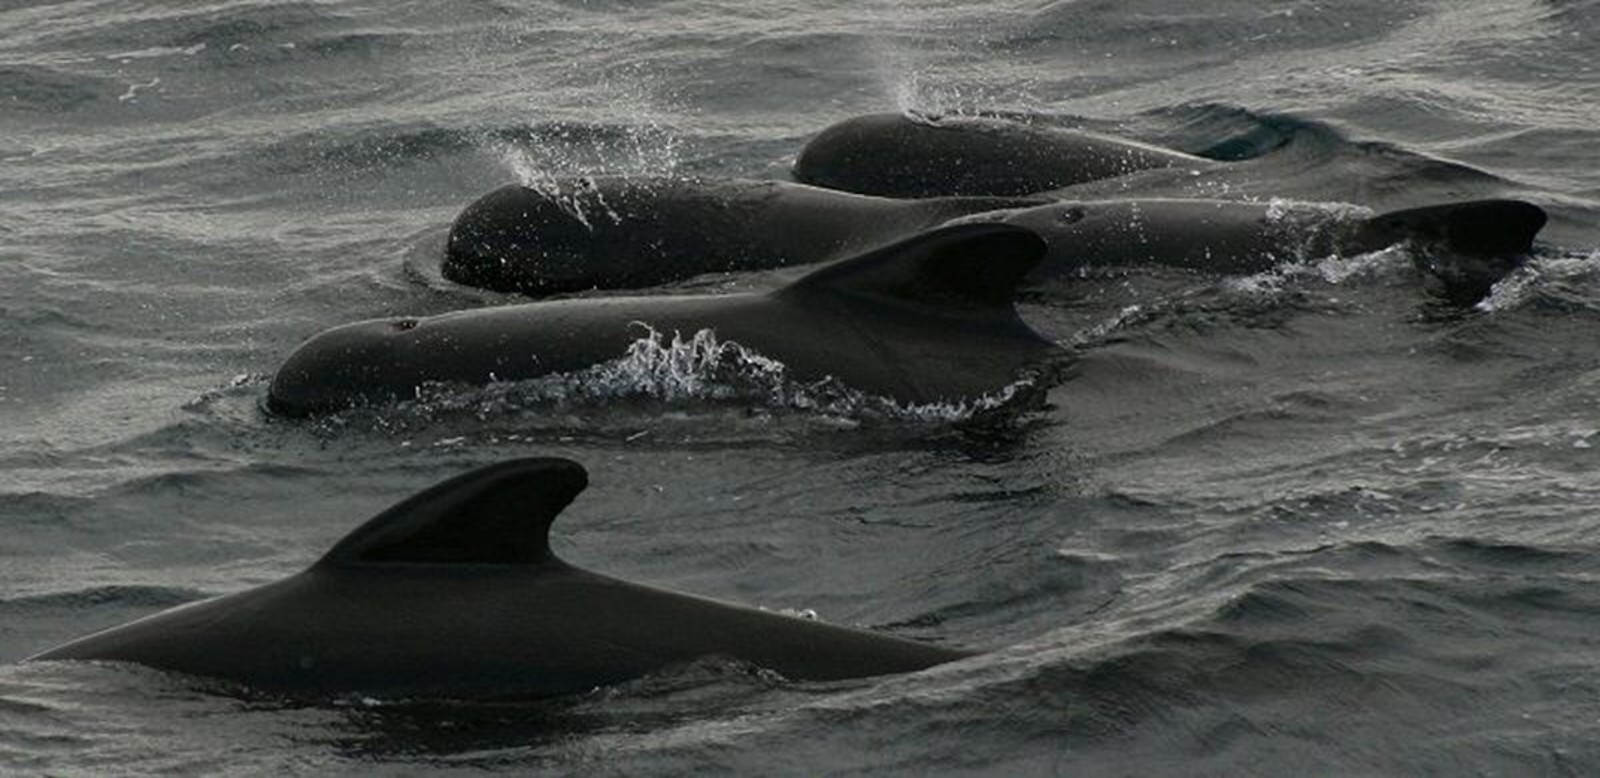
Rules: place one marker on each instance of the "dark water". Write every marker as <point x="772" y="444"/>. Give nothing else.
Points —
<point x="1308" y="521"/>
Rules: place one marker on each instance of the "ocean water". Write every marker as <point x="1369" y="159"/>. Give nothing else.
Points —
<point x="1314" y="520"/>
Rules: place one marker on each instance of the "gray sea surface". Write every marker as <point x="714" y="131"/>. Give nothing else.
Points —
<point x="1312" y="521"/>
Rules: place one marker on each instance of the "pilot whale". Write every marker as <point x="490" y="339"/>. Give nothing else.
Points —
<point x="901" y="155"/>
<point x="928" y="319"/>
<point x="455" y="594"/>
<point x="577" y="234"/>
<point x="1463" y="248"/>
<point x="523" y="240"/>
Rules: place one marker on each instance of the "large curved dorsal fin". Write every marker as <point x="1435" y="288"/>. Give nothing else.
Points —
<point x="500" y="514"/>
<point x="1473" y="228"/>
<point x="962" y="266"/>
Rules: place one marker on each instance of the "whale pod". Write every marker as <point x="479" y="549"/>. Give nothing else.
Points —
<point x="928" y="319"/>
<point x="658" y="230"/>
<point x="454" y="593"/>
<point x="576" y="234"/>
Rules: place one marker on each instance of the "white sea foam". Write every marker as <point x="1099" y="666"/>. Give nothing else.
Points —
<point x="697" y="368"/>
<point x="1332" y="269"/>
<point x="1095" y="333"/>
<point x="1525" y="282"/>
<point x="1296" y="212"/>
<point x="1340" y="269"/>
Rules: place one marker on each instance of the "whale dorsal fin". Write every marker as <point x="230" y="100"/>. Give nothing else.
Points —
<point x="500" y="514"/>
<point x="964" y="265"/>
<point x="1473" y="228"/>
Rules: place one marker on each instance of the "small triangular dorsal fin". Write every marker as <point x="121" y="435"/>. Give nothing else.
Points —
<point x="500" y="514"/>
<point x="964" y="265"/>
<point x="1473" y="228"/>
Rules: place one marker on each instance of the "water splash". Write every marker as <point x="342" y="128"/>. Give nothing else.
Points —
<point x="560" y="160"/>
<point x="242" y="384"/>
<point x="699" y="367"/>
<point x="928" y="74"/>
<point x="677" y="369"/>
<point x="1333" y="269"/>
<point x="1127" y="316"/>
<point x="1305" y="230"/>
<point x="577" y="197"/>
<point x="1282" y="209"/>
<point x="927" y="95"/>
<point x="1549" y="275"/>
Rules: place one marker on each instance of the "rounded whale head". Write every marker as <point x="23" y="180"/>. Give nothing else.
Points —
<point x="519" y="238"/>
<point x="381" y="361"/>
<point x="346" y="366"/>
<point x="585" y="233"/>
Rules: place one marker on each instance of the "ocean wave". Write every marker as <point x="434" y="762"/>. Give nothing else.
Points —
<point x="39" y="89"/>
<point x="1216" y="30"/>
<point x="1562" y="282"/>
<point x="1488" y="555"/>
<point x="530" y="152"/>
<point x="126" y="33"/>
<point x="1233" y="133"/>
<point x="1471" y="604"/>
<point x="224" y="47"/>
<point x="1293" y="147"/>
<point x="115" y="596"/>
<point x="40" y="509"/>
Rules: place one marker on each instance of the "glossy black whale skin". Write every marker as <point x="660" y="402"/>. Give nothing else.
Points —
<point x="900" y="155"/>
<point x="1464" y="246"/>
<point x="929" y="319"/>
<point x="633" y="232"/>
<point x="517" y="239"/>
<point x="454" y="593"/>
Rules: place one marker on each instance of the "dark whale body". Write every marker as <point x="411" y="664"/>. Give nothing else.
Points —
<point x="454" y="593"/>
<point x="636" y="232"/>
<point x="896" y="155"/>
<point x="671" y="232"/>
<point x="1463" y="248"/>
<point x="929" y="319"/>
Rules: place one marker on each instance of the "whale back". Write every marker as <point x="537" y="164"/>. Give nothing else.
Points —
<point x="499" y="514"/>
<point x="901" y="155"/>
<point x="975" y="266"/>
<point x="499" y="618"/>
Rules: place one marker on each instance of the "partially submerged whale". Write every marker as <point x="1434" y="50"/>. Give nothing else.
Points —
<point x="634" y="232"/>
<point x="901" y="155"/>
<point x="454" y="593"/>
<point x="928" y="319"/>
<point x="520" y="239"/>
<point x="1463" y="247"/>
